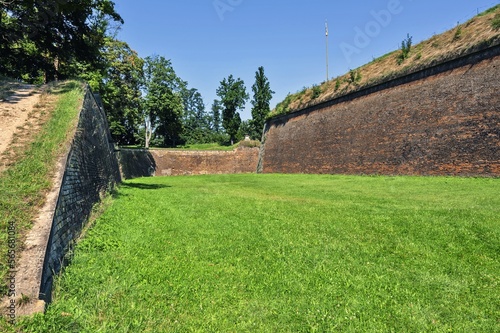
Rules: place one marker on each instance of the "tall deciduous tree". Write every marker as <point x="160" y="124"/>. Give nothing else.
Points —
<point x="121" y="90"/>
<point x="233" y="97"/>
<point x="216" y="114"/>
<point x="44" y="36"/>
<point x="196" y="120"/>
<point x="163" y="102"/>
<point x="262" y="95"/>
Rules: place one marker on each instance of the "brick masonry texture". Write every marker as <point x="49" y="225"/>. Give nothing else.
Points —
<point x="444" y="120"/>
<point x="140" y="163"/>
<point x="91" y="170"/>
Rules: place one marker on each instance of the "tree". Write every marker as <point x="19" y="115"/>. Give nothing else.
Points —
<point x="216" y="113"/>
<point x="233" y="97"/>
<point x="196" y="122"/>
<point x="245" y="129"/>
<point x="262" y="95"/>
<point x="163" y="104"/>
<point x="40" y="38"/>
<point x="120" y="90"/>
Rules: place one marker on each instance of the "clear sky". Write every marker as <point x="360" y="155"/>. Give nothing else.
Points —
<point x="207" y="40"/>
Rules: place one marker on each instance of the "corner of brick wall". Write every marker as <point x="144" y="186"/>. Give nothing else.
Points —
<point x="91" y="170"/>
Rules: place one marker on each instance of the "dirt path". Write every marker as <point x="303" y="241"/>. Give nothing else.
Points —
<point x="15" y="111"/>
<point x="23" y="111"/>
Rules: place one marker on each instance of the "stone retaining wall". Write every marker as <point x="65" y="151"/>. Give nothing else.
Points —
<point x="91" y="170"/>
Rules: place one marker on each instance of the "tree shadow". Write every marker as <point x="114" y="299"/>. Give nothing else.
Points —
<point x="136" y="163"/>
<point x="143" y="186"/>
<point x="63" y="87"/>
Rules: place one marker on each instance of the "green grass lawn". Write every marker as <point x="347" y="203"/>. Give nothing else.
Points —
<point x="286" y="253"/>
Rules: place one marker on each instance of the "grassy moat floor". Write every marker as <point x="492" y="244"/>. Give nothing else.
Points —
<point x="286" y="253"/>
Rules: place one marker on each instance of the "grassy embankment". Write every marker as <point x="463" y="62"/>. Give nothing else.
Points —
<point x="24" y="183"/>
<point x="481" y="31"/>
<point x="287" y="253"/>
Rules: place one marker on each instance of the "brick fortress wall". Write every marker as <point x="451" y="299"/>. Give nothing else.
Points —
<point x="444" y="120"/>
<point x="91" y="170"/>
<point x="140" y="163"/>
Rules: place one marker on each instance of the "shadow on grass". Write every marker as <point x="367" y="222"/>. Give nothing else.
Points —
<point x="64" y="87"/>
<point x="142" y="186"/>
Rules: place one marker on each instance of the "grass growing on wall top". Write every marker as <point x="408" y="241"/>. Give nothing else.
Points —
<point x="286" y="253"/>
<point x="479" y="32"/>
<point x="24" y="184"/>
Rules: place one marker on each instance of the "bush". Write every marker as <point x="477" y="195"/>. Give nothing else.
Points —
<point x="337" y="84"/>
<point x="458" y="34"/>
<point x="316" y="92"/>
<point x="354" y="77"/>
<point x="405" y="49"/>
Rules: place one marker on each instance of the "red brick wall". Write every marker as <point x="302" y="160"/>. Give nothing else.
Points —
<point x="444" y="124"/>
<point x="173" y="163"/>
<point x="140" y="163"/>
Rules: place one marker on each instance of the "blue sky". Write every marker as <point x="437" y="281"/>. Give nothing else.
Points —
<point x="207" y="40"/>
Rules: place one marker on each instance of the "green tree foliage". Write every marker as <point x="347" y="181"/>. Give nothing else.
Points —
<point x="216" y="114"/>
<point x="244" y="130"/>
<point x="163" y="102"/>
<point x="233" y="97"/>
<point x="196" y="120"/>
<point x="262" y="95"/>
<point x="41" y="39"/>
<point x="120" y="89"/>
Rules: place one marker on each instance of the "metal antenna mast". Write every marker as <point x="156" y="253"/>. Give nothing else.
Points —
<point x="326" y="32"/>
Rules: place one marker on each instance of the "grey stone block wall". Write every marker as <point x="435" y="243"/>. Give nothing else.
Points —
<point x="91" y="170"/>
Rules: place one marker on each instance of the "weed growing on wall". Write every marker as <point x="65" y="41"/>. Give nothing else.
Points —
<point x="406" y="45"/>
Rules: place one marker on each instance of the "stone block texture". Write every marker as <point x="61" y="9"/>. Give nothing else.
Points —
<point x="444" y="120"/>
<point x="91" y="170"/>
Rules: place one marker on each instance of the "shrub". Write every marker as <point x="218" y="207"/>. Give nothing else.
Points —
<point x="354" y="77"/>
<point x="458" y="34"/>
<point x="316" y="92"/>
<point x="405" y="49"/>
<point x="337" y="84"/>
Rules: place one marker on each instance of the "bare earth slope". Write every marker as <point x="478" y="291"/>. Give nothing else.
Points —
<point x="15" y="113"/>
<point x="24" y="110"/>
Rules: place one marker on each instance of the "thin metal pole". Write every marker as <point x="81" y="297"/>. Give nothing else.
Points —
<point x="326" y="30"/>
